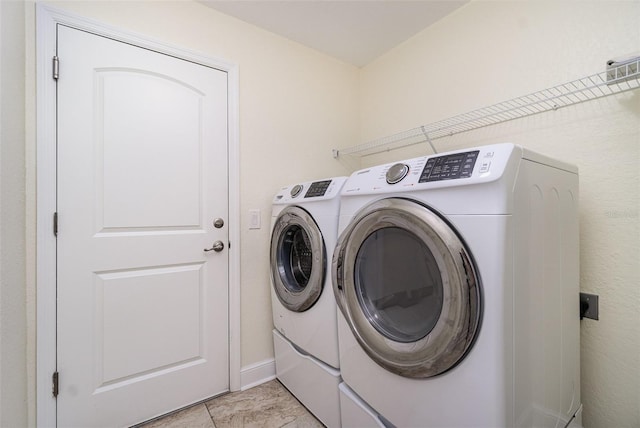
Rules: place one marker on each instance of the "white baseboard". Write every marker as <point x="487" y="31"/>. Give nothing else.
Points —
<point x="258" y="373"/>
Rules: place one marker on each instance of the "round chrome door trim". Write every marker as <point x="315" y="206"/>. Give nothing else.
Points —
<point x="298" y="279"/>
<point x="453" y="335"/>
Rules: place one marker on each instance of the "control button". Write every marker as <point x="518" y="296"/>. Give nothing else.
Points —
<point x="296" y="190"/>
<point x="397" y="172"/>
<point x="484" y="167"/>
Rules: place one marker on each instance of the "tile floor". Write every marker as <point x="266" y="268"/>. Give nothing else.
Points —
<point x="269" y="405"/>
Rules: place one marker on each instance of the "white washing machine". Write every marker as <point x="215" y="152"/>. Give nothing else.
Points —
<point x="457" y="276"/>
<point x="303" y="235"/>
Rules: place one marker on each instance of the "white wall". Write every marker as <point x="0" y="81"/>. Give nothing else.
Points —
<point x="13" y="321"/>
<point x="487" y="52"/>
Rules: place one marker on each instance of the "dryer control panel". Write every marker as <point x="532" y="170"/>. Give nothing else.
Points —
<point x="456" y="168"/>
<point x="449" y="167"/>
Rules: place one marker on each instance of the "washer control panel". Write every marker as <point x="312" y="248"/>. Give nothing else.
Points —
<point x="312" y="190"/>
<point x="317" y="188"/>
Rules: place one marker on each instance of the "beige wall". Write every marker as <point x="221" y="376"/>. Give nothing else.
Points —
<point x="13" y="327"/>
<point x="488" y="52"/>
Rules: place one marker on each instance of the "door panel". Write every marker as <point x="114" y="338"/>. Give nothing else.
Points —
<point x="135" y="135"/>
<point x="142" y="173"/>
<point x="163" y="303"/>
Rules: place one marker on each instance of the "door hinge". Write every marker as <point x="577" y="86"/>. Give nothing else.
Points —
<point x="54" y="379"/>
<point x="55" y="224"/>
<point x="56" y="68"/>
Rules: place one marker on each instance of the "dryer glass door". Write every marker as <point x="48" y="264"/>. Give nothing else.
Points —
<point x="298" y="259"/>
<point x="407" y="287"/>
<point x="398" y="284"/>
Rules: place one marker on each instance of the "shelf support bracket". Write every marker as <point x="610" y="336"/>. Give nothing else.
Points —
<point x="426" y="136"/>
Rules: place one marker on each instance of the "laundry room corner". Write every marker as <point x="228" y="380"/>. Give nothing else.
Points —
<point x="489" y="52"/>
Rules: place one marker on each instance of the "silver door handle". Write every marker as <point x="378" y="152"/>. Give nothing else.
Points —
<point x="217" y="247"/>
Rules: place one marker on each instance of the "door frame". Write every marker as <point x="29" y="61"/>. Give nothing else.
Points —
<point x="47" y="19"/>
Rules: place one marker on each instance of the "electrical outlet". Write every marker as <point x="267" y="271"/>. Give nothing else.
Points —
<point x="588" y="306"/>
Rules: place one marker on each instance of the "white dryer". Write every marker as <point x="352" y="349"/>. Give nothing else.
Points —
<point x="303" y="235"/>
<point x="457" y="276"/>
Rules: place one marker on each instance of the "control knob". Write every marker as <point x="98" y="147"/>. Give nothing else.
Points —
<point x="397" y="172"/>
<point x="295" y="191"/>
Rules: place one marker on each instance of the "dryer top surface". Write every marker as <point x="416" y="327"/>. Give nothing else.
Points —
<point x="452" y="170"/>
<point x="479" y="180"/>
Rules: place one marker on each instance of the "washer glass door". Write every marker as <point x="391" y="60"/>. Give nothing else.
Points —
<point x="298" y="259"/>
<point x="407" y="287"/>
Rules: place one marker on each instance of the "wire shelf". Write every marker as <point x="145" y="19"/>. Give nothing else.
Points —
<point x="618" y="78"/>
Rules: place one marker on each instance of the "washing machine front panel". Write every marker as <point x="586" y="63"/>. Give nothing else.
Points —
<point x="408" y="288"/>
<point x="298" y="259"/>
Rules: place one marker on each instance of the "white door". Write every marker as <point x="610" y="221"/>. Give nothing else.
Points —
<point x="142" y="174"/>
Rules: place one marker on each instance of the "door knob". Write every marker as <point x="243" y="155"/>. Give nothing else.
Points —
<point x="217" y="247"/>
<point x="218" y="223"/>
